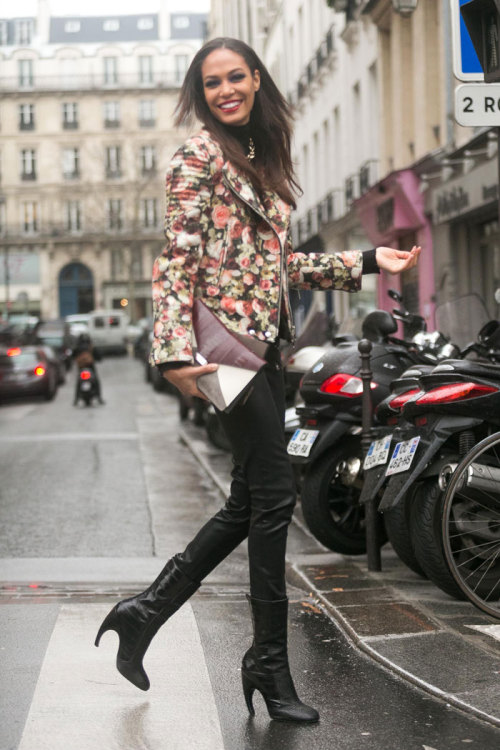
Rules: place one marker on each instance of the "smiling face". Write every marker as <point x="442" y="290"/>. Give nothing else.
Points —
<point x="229" y="86"/>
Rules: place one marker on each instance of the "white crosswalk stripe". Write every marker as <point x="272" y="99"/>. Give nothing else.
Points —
<point x="82" y="703"/>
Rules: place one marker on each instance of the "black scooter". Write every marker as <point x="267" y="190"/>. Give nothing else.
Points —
<point x="86" y="389"/>
<point x="455" y="406"/>
<point x="327" y="445"/>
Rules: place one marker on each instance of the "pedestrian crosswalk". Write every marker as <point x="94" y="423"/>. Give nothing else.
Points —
<point x="81" y="702"/>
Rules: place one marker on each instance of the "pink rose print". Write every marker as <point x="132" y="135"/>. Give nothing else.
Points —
<point x="273" y="245"/>
<point x="228" y="305"/>
<point x="265" y="284"/>
<point x="248" y="279"/>
<point x="212" y="291"/>
<point x="179" y="331"/>
<point x="245" y="262"/>
<point x="236" y="230"/>
<point x="220" y="216"/>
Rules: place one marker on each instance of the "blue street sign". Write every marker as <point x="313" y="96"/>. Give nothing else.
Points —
<point x="466" y="65"/>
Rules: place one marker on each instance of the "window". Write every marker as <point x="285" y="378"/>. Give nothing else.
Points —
<point x="25" y="73"/>
<point x="110" y="71"/>
<point x="23" y="31"/>
<point x="111" y="114"/>
<point x="144" y="24"/>
<point x="148" y="159"/>
<point x="181" y="63"/>
<point x="111" y="25"/>
<point x="72" y="27"/>
<point x="115" y="217"/>
<point x="148" y="213"/>
<point x="70" y="115"/>
<point x="73" y="211"/>
<point x="117" y="264"/>
<point x="3" y="32"/>
<point x="136" y="264"/>
<point x="145" y="69"/>
<point x="113" y="158"/>
<point x="71" y="163"/>
<point x="29" y="217"/>
<point x="26" y="117"/>
<point x="2" y="218"/>
<point x="147" y="113"/>
<point x="28" y="164"/>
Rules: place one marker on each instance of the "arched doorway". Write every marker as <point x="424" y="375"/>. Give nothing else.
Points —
<point x="76" y="289"/>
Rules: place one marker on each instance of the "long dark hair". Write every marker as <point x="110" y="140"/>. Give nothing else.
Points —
<point x="271" y="123"/>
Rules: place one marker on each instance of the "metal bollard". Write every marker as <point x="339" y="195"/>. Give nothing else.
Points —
<point x="371" y="514"/>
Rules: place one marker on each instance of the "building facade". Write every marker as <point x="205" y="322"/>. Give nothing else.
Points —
<point x="376" y="144"/>
<point x="86" y="135"/>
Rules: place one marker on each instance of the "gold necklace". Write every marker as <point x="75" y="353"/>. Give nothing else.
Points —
<point x="251" y="149"/>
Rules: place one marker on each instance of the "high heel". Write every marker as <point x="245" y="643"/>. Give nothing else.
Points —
<point x="265" y="665"/>
<point x="111" y="622"/>
<point x="248" y="691"/>
<point x="138" y="619"/>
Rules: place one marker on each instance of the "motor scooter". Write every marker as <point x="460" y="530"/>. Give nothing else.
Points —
<point x="327" y="445"/>
<point x="455" y="406"/>
<point x="86" y="389"/>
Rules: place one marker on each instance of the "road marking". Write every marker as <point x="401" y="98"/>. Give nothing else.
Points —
<point x="493" y="630"/>
<point x="81" y="702"/>
<point x="58" y="436"/>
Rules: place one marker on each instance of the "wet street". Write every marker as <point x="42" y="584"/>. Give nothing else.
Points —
<point x="93" y="501"/>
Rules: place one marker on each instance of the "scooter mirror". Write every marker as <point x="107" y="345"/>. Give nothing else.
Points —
<point x="393" y="294"/>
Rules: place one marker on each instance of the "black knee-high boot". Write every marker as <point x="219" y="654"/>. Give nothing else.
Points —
<point x="138" y="619"/>
<point x="265" y="664"/>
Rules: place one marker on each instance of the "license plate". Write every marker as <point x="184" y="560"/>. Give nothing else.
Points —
<point x="301" y="442"/>
<point x="85" y="386"/>
<point x="378" y="452"/>
<point x="402" y="456"/>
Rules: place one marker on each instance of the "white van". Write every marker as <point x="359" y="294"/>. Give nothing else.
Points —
<point x="108" y="331"/>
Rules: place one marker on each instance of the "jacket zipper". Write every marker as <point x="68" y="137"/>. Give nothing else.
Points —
<point x="282" y="252"/>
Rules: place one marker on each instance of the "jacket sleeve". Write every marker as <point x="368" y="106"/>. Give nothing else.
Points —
<point x="325" y="270"/>
<point x="188" y="192"/>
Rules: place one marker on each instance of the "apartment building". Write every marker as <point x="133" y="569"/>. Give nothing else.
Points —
<point x="380" y="157"/>
<point x="86" y="134"/>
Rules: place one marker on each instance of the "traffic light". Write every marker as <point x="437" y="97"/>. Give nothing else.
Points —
<point x="482" y="18"/>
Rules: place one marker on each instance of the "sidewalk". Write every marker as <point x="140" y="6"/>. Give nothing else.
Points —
<point x="444" y="646"/>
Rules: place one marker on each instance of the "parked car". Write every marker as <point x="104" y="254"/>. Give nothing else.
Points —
<point x="26" y="371"/>
<point x="108" y="331"/>
<point x="56" y="333"/>
<point x="78" y="324"/>
<point x="57" y="362"/>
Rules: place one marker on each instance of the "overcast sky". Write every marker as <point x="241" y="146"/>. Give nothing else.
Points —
<point x="17" y="8"/>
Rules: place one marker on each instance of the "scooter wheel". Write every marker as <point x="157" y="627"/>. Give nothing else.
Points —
<point x="425" y="529"/>
<point x="397" y="525"/>
<point x="330" y="501"/>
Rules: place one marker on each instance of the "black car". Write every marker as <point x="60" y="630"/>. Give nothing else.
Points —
<point x="56" y="333"/>
<point x="26" y="371"/>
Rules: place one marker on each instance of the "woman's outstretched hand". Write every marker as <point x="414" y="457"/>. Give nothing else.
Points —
<point x="395" y="261"/>
<point x="184" y="378"/>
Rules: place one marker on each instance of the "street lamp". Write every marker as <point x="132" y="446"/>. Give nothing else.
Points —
<point x="404" y="7"/>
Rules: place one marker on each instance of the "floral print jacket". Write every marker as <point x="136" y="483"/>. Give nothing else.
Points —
<point x="232" y="249"/>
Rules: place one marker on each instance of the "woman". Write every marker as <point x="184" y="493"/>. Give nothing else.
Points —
<point x="230" y="190"/>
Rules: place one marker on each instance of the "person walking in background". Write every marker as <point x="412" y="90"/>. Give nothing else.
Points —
<point x="230" y="191"/>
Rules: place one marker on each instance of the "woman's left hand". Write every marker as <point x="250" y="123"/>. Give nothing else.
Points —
<point x="395" y="261"/>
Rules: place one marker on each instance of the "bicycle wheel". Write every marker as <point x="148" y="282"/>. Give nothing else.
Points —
<point x="471" y="525"/>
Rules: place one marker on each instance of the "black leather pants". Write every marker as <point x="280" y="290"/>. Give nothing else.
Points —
<point x="262" y="497"/>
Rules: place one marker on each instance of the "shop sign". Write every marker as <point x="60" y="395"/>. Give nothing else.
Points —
<point x="467" y="193"/>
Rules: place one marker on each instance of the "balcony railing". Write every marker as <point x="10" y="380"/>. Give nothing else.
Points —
<point x="87" y="83"/>
<point x="315" y="66"/>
